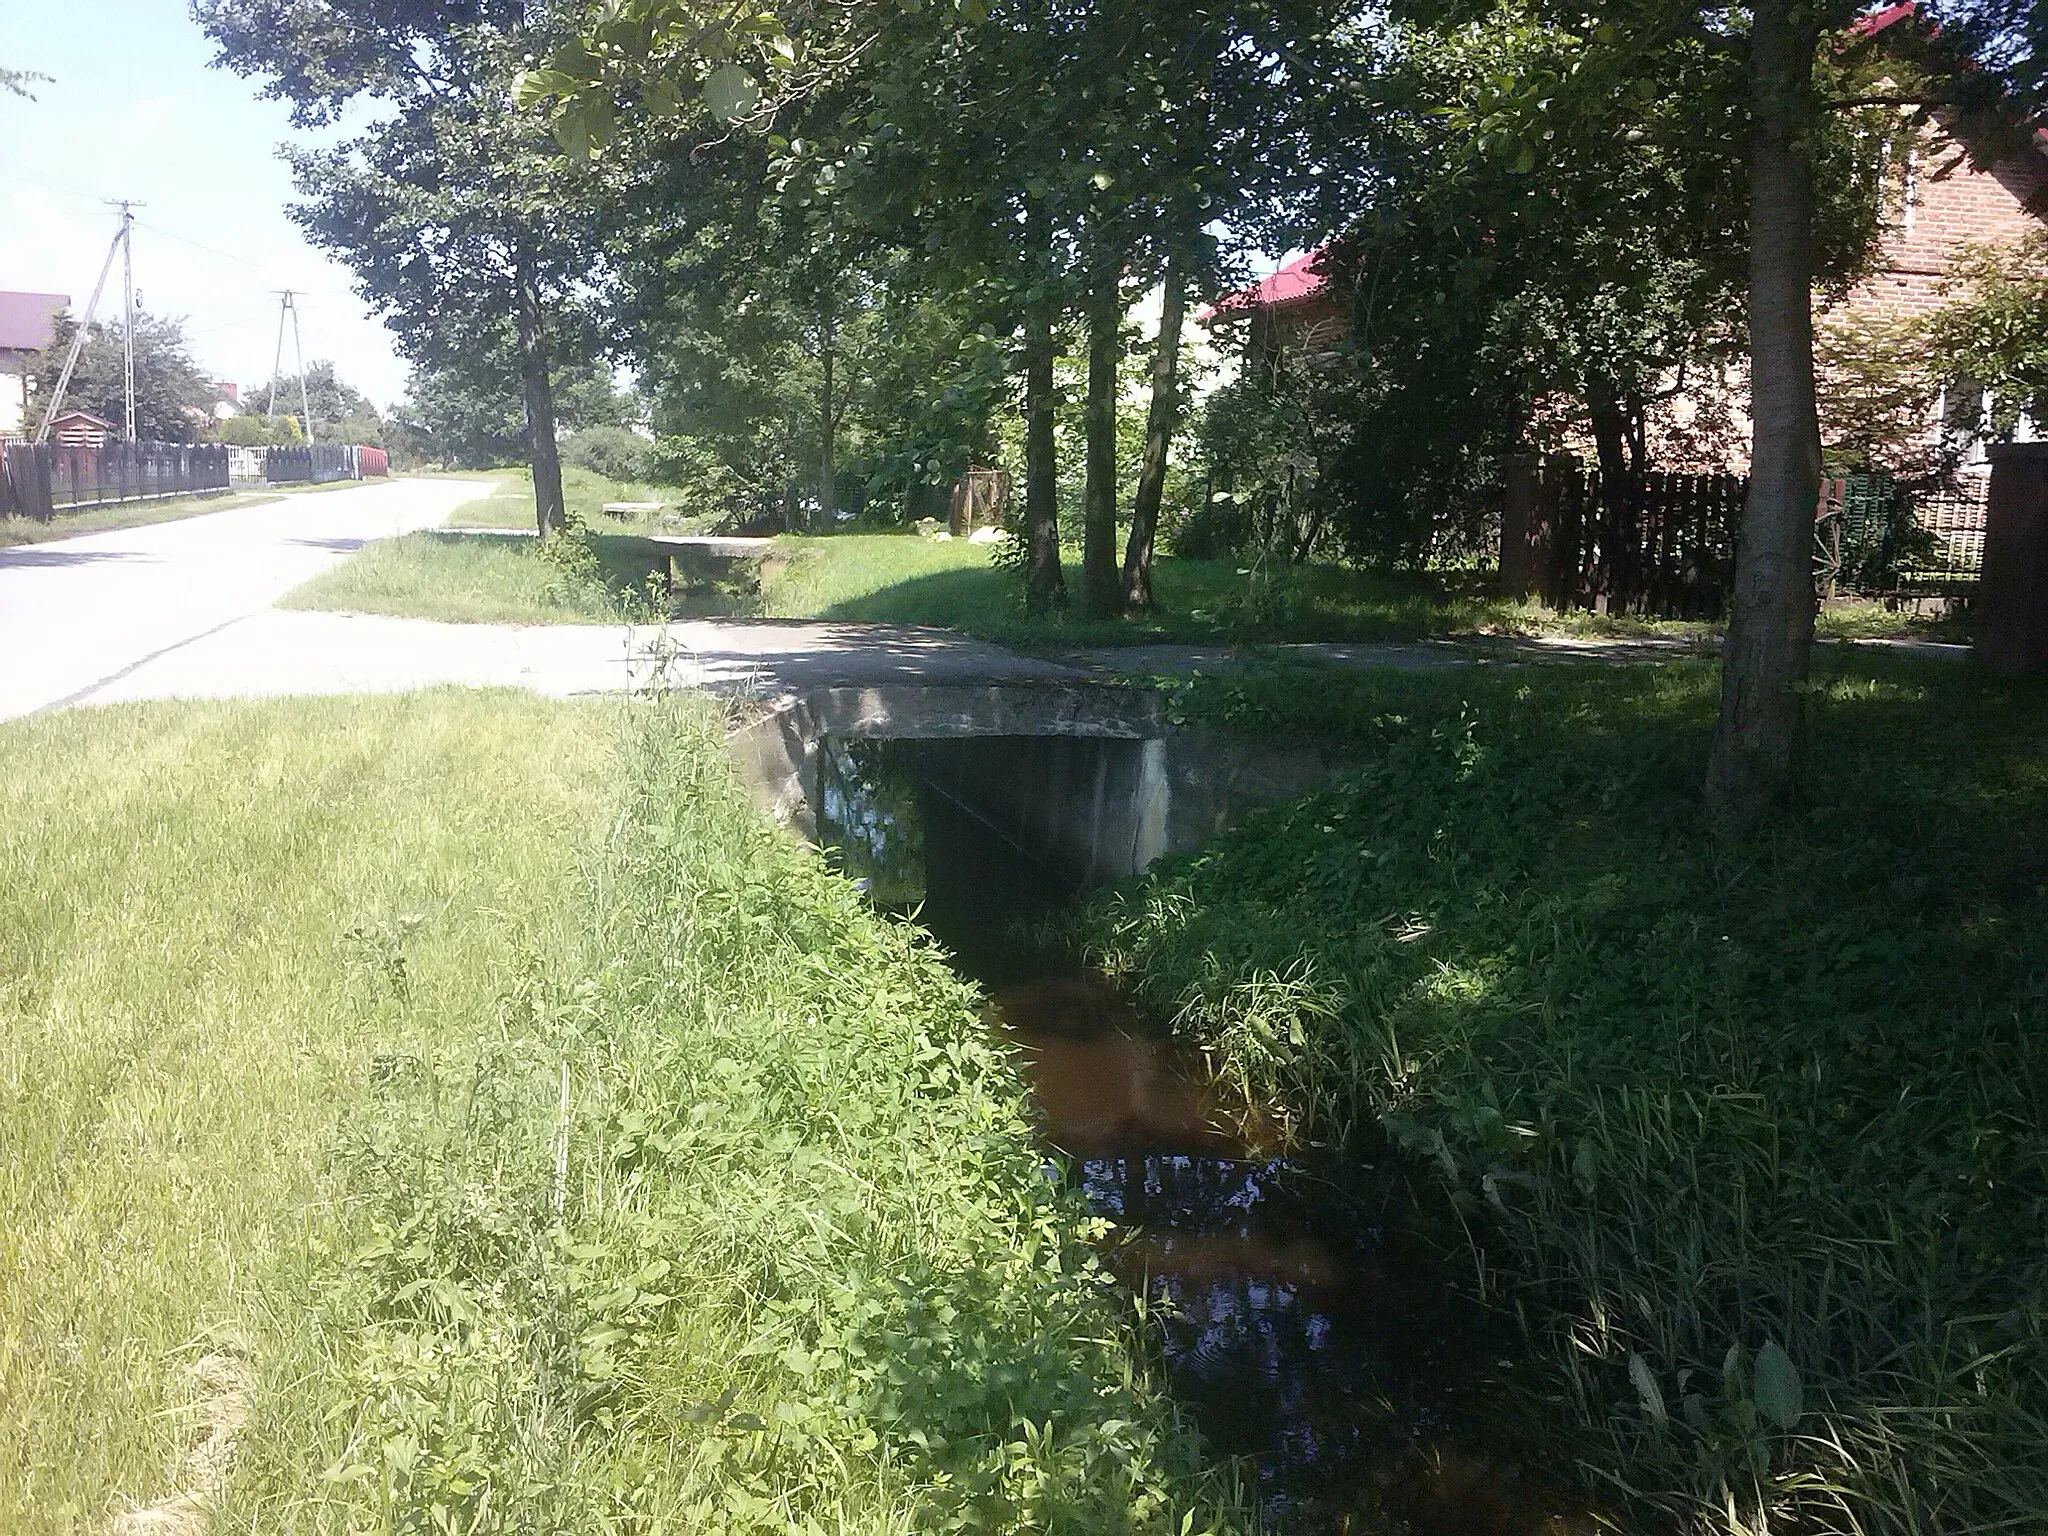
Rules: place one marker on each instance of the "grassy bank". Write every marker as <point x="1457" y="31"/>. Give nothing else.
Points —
<point x="1751" y="1128"/>
<point x="463" y="1112"/>
<point x="584" y="494"/>
<point x="202" y="910"/>
<point x="489" y="579"/>
<point x="901" y="579"/>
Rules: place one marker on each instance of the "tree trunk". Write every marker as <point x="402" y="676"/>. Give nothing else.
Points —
<point x="1098" y="497"/>
<point x="1045" y="585"/>
<point x="548" y="513"/>
<point x="1755" y="760"/>
<point x="1610" y="431"/>
<point x="1159" y="423"/>
<point x="828" y="476"/>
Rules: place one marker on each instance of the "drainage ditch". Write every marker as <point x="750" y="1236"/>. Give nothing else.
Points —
<point x="1300" y="1300"/>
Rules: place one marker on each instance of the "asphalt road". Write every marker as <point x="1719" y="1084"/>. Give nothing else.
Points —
<point x="184" y="610"/>
<point x="78" y="617"/>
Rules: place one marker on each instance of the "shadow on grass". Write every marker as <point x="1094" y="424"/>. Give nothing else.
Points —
<point x="1701" y="1091"/>
<point x="1219" y="601"/>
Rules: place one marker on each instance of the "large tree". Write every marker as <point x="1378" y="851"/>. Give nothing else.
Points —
<point x="340" y="412"/>
<point x="1030" y="165"/>
<point x="464" y="227"/>
<point x="1782" y="73"/>
<point x="173" y="399"/>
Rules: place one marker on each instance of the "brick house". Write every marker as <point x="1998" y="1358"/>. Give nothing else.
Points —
<point x="1941" y="203"/>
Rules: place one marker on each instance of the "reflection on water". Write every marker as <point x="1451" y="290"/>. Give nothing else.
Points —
<point x="1304" y="1324"/>
<point x="1305" y="1321"/>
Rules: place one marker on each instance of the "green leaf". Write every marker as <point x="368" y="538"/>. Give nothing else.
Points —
<point x="1647" y="1389"/>
<point x="585" y="126"/>
<point x="1778" y="1394"/>
<point x="536" y="85"/>
<point x="730" y="93"/>
<point x="661" y="97"/>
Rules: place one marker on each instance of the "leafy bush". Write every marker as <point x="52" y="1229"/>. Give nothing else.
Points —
<point x="260" y="431"/>
<point x="619" y="453"/>
<point x="1756" y="1125"/>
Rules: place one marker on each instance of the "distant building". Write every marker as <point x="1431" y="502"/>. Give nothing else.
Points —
<point x="1940" y="200"/>
<point x="81" y="429"/>
<point x="28" y="324"/>
<point x="1294" y="311"/>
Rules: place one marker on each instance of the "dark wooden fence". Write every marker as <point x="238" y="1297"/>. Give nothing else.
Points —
<point x="25" y="481"/>
<point x="39" y="480"/>
<point x="46" y="478"/>
<point x="1658" y="545"/>
<point x="315" y="462"/>
<point x="1663" y="546"/>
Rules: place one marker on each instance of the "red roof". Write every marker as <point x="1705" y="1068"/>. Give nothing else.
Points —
<point x="1874" y="22"/>
<point x="28" y="320"/>
<point x="1291" y="284"/>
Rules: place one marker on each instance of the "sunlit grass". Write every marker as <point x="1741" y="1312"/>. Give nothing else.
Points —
<point x="479" y="1094"/>
<point x="953" y="584"/>
<point x="584" y="494"/>
<point x="203" y="909"/>
<point x="484" y="579"/>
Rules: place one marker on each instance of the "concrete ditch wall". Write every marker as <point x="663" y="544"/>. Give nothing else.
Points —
<point x="1088" y="778"/>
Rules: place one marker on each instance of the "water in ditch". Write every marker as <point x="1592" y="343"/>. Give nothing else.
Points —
<point x="1301" y="1302"/>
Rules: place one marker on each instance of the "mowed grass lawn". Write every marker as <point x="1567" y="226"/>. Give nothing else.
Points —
<point x="464" y="1112"/>
<point x="905" y="579"/>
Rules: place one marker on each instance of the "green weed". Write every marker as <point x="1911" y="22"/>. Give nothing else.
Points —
<point x="1750" y="1129"/>
<point x="731" y="1223"/>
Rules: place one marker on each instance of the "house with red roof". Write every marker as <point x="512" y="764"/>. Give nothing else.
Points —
<point x="28" y="324"/>
<point x="1940" y="202"/>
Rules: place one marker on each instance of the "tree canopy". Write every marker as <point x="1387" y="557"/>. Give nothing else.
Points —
<point x="173" y="399"/>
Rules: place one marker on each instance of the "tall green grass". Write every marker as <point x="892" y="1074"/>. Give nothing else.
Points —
<point x="463" y="1113"/>
<point x="204" y="910"/>
<point x="1752" y="1129"/>
<point x="732" y="1223"/>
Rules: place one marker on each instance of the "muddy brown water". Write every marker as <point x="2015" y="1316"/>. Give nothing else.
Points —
<point x="1301" y="1301"/>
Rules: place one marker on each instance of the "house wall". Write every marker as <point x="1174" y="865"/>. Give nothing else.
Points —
<point x="1949" y="204"/>
<point x="14" y="371"/>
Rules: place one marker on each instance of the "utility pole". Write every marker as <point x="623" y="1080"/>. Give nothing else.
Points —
<point x="119" y="243"/>
<point x="128" y="288"/>
<point x="288" y="304"/>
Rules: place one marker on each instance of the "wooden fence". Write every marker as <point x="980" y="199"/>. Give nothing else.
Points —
<point x="315" y="462"/>
<point x="42" y="479"/>
<point x="1659" y="545"/>
<point x="39" y="480"/>
<point x="1663" y="545"/>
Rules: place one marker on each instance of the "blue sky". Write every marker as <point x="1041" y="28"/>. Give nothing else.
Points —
<point x="134" y="111"/>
